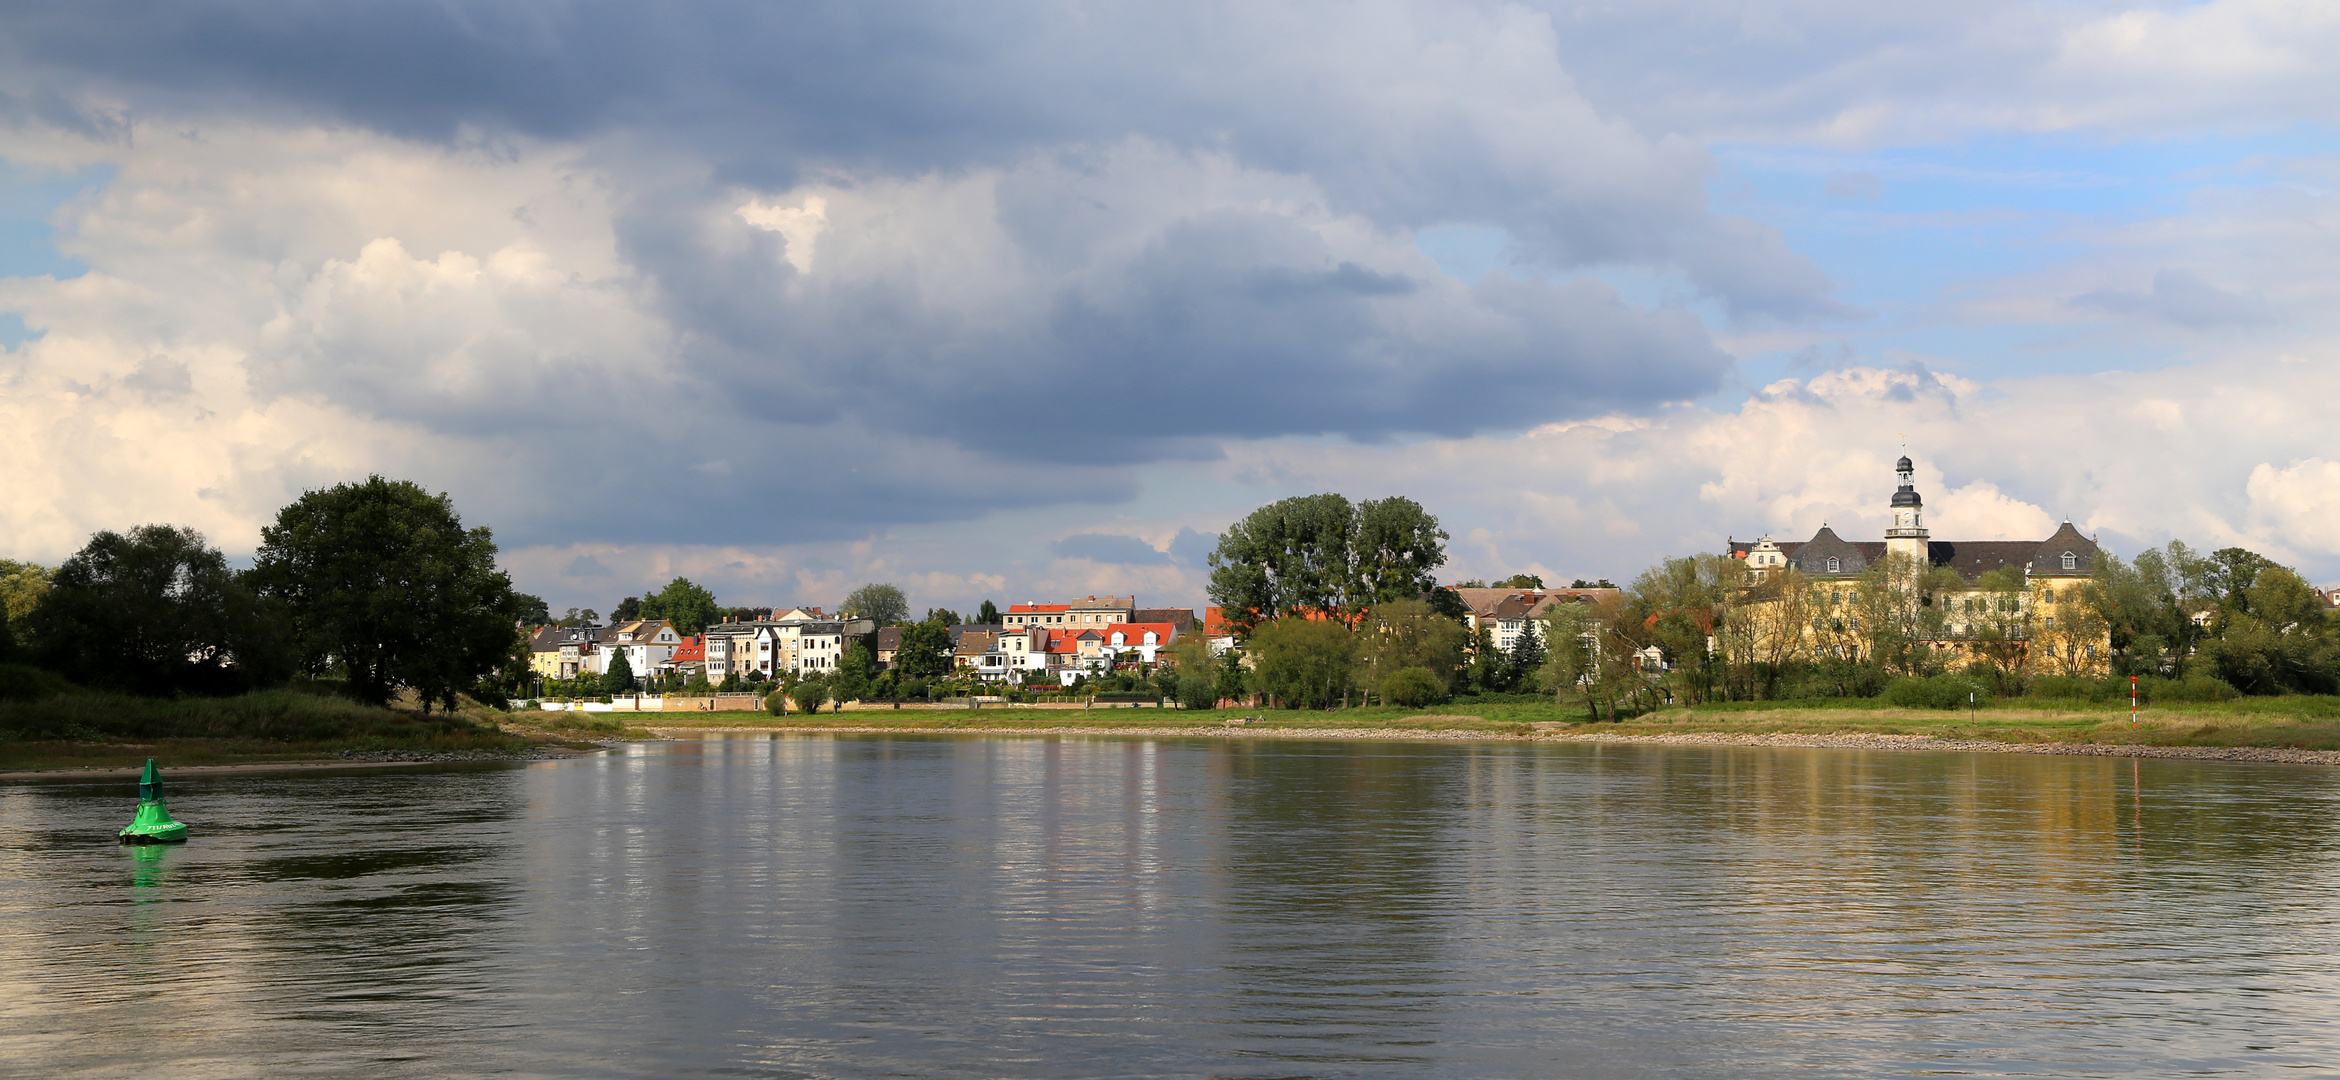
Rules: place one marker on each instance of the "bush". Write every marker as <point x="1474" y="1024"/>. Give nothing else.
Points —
<point x="776" y="703"/>
<point x="1414" y="687"/>
<point x="2190" y="688"/>
<point x="24" y="682"/>
<point x="1198" y="693"/>
<point x="1939" y="692"/>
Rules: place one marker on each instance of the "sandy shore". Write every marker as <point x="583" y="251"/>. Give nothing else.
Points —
<point x="1688" y="738"/>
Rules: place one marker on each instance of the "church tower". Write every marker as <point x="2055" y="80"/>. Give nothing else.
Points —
<point x="1908" y="534"/>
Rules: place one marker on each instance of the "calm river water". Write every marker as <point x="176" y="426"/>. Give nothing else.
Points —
<point x="909" y="906"/>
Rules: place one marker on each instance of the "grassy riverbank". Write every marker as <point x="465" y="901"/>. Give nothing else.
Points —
<point x="82" y="730"/>
<point x="2294" y="722"/>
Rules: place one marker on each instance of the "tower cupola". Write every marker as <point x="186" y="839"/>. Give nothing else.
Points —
<point x="1907" y="494"/>
<point x="1908" y="535"/>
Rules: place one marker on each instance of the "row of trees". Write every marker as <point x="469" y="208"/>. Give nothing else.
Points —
<point x="376" y="583"/>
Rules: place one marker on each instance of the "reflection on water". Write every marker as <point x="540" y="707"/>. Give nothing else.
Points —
<point x="967" y="906"/>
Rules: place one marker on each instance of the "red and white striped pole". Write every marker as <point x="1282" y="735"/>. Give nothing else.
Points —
<point x="2132" y="703"/>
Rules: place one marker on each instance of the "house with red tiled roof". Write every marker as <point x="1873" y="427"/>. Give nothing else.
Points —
<point x="1144" y="640"/>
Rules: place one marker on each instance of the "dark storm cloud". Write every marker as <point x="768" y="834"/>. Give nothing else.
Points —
<point x="1197" y="228"/>
<point x="1412" y="116"/>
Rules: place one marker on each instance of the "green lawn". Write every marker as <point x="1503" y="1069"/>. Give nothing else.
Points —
<point x="105" y="730"/>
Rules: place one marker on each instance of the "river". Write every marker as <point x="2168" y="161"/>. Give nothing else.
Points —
<point x="972" y="906"/>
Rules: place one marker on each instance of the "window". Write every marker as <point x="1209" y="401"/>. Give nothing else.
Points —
<point x="2071" y="561"/>
<point x="2051" y="622"/>
<point x="1833" y="566"/>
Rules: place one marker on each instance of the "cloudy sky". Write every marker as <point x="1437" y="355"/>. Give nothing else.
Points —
<point x="1021" y="300"/>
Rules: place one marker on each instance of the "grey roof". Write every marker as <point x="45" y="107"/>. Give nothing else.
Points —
<point x="1971" y="558"/>
<point x="2049" y="557"/>
<point x="1182" y="619"/>
<point x="1812" y="555"/>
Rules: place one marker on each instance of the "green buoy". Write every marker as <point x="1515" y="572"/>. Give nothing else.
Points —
<point x="154" y="824"/>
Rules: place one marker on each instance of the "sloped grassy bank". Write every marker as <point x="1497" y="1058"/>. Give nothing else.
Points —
<point x="84" y="728"/>
<point x="2290" y="722"/>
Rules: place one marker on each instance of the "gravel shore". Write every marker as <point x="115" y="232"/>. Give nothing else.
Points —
<point x="1687" y="738"/>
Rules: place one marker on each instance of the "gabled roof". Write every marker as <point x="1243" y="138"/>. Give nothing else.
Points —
<point x="889" y="639"/>
<point x="1134" y="633"/>
<point x="693" y="649"/>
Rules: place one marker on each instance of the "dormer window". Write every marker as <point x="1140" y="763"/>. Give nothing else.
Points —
<point x="2071" y="561"/>
<point x="1833" y="566"/>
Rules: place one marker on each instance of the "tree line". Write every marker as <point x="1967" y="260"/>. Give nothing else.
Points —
<point x="376" y="584"/>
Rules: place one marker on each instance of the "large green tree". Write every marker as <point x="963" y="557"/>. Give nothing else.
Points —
<point x="1303" y="663"/>
<point x="879" y="601"/>
<point x="383" y="582"/>
<point x="157" y="611"/>
<point x="1321" y="553"/>
<point x="689" y="607"/>
<point x="1403" y="634"/>
<point x="925" y="650"/>
<point x="852" y="680"/>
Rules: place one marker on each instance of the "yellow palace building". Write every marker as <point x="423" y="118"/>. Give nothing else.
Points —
<point x="2016" y="603"/>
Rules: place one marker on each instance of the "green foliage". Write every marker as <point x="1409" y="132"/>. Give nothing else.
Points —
<point x="287" y="714"/>
<point x="988" y="614"/>
<point x="1581" y="583"/>
<point x="690" y="608"/>
<point x="945" y="616"/>
<point x="627" y="610"/>
<point x="1938" y="692"/>
<point x="1413" y="687"/>
<point x="809" y="693"/>
<point x="1319" y="553"/>
<point x="1303" y="663"/>
<point x="1410" y="634"/>
<point x="776" y="703"/>
<point x="881" y="602"/>
<point x="383" y="581"/>
<point x="158" y="612"/>
<point x="852" y="680"/>
<point x="24" y="682"/>
<point x="1521" y="581"/>
<point x="618" y="678"/>
<point x="533" y="611"/>
<point x="925" y="651"/>
<point x="21" y="587"/>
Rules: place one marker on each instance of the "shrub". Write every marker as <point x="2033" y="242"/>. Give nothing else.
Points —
<point x="24" y="682"/>
<point x="1415" y="687"/>
<point x="2190" y="688"/>
<point x="1939" y="692"/>
<point x="1198" y="693"/>
<point x="776" y="703"/>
